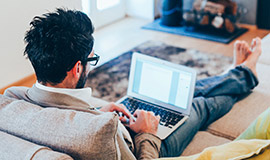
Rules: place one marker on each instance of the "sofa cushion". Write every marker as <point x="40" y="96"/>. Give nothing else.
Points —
<point x="82" y="135"/>
<point x="246" y="110"/>
<point x="201" y="141"/>
<point x="12" y="147"/>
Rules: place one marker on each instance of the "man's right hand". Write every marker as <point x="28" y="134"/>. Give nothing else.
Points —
<point x="146" y="122"/>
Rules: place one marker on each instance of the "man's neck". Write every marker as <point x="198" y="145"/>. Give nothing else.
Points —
<point x="58" y="86"/>
<point x="63" y="84"/>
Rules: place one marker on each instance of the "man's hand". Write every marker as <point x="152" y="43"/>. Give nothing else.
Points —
<point x="118" y="108"/>
<point x="146" y="122"/>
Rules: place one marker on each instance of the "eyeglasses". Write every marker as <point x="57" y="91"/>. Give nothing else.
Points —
<point x="93" y="60"/>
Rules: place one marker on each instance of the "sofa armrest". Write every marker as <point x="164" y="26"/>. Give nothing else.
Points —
<point x="12" y="147"/>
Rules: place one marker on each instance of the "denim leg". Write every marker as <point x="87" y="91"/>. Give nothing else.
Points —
<point x="237" y="81"/>
<point x="203" y="112"/>
<point x="214" y="97"/>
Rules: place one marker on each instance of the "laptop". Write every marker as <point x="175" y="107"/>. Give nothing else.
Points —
<point x="162" y="87"/>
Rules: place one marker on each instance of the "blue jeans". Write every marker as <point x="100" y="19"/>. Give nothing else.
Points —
<point x="213" y="98"/>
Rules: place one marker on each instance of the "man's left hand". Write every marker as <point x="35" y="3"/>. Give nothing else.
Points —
<point x="118" y="108"/>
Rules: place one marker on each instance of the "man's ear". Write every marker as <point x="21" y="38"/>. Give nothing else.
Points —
<point x="77" y="69"/>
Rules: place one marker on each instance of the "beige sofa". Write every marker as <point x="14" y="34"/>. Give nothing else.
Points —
<point x="222" y="131"/>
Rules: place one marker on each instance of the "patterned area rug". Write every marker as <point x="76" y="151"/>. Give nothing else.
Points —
<point x="110" y="80"/>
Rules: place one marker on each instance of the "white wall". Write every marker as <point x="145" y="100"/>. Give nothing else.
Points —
<point x="141" y="8"/>
<point x="251" y="11"/>
<point x="15" y="16"/>
<point x="104" y="17"/>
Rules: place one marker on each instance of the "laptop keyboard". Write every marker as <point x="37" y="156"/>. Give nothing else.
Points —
<point x="167" y="118"/>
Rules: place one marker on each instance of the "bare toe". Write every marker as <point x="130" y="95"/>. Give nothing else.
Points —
<point x="247" y="50"/>
<point x="240" y="52"/>
<point x="253" y="43"/>
<point x="257" y="48"/>
<point x="252" y="59"/>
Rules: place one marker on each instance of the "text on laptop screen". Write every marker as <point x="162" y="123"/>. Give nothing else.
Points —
<point x="162" y="83"/>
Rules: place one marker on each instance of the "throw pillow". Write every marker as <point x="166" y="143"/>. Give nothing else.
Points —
<point x="235" y="150"/>
<point x="81" y="135"/>
<point x="259" y="129"/>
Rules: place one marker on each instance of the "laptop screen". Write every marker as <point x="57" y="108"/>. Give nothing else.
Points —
<point x="161" y="82"/>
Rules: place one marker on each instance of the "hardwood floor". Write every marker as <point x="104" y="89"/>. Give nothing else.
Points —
<point x="126" y="34"/>
<point x="121" y="36"/>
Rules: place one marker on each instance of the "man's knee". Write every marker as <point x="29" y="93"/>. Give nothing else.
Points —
<point x="212" y="108"/>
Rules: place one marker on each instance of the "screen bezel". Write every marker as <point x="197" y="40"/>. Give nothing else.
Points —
<point x="136" y="56"/>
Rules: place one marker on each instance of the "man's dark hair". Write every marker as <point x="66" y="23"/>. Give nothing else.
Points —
<point x="56" y="41"/>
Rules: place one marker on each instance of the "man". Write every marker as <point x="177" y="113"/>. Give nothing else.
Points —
<point x="60" y="48"/>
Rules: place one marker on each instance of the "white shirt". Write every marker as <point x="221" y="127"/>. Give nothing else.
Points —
<point x="83" y="94"/>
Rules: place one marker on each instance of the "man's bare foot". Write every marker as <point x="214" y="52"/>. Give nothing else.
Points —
<point x="240" y="52"/>
<point x="252" y="58"/>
